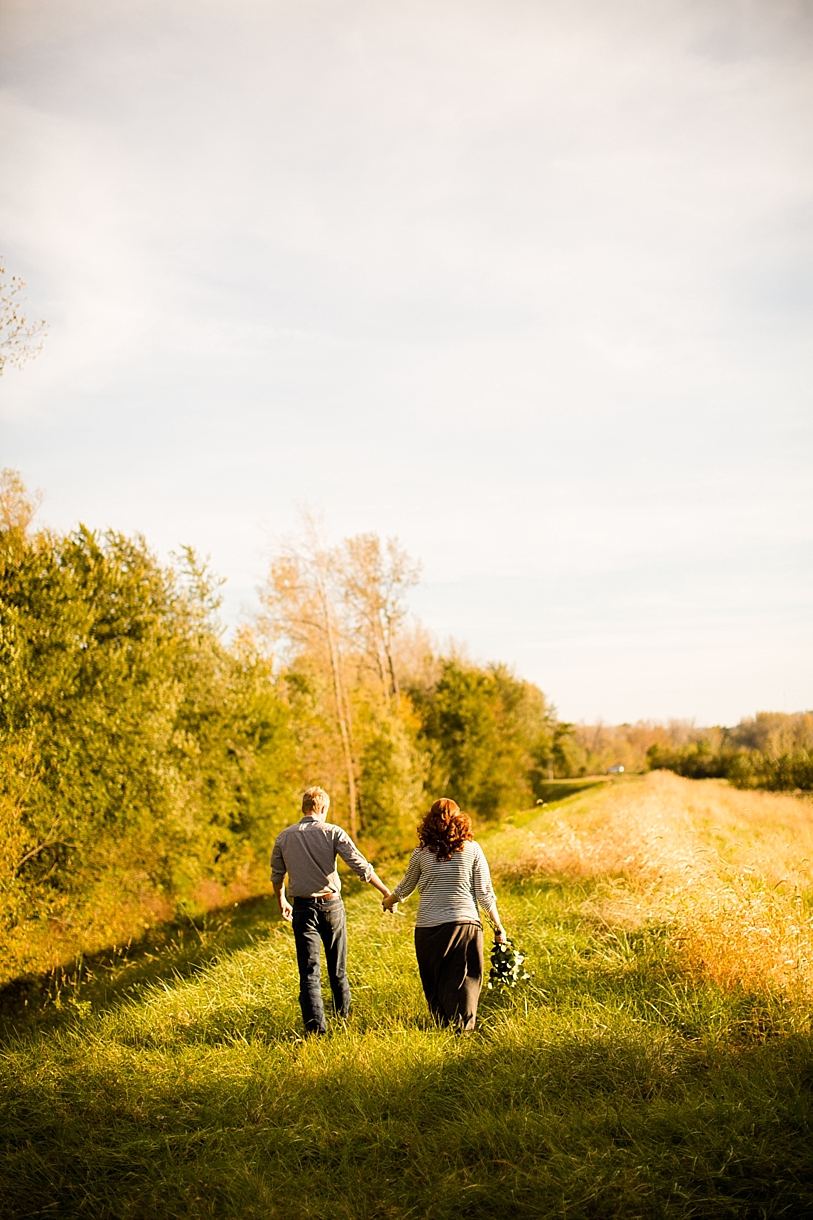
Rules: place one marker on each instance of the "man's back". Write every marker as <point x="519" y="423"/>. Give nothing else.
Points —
<point x="307" y="852"/>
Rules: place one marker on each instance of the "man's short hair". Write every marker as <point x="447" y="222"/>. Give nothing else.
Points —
<point x="315" y="800"/>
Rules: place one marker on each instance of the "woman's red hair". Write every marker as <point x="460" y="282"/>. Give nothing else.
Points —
<point x="445" y="830"/>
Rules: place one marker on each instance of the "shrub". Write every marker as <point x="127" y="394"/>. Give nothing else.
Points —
<point x="141" y="757"/>
<point x="695" y="761"/>
<point x="489" y="736"/>
<point x="786" y="772"/>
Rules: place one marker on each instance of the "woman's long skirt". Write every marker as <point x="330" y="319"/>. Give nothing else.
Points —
<point x="450" y="962"/>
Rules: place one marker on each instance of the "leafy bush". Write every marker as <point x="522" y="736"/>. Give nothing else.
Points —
<point x="489" y="736"/>
<point x="695" y="761"/>
<point x="393" y="771"/>
<point x="787" y="772"/>
<point x="141" y="758"/>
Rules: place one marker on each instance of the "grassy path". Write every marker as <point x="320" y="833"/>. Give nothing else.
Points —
<point x="176" y="1084"/>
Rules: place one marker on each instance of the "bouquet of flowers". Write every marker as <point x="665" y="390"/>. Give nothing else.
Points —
<point x="506" y="967"/>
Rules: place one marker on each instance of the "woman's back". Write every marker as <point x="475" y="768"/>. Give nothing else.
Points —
<point x="449" y="889"/>
<point x="451" y="875"/>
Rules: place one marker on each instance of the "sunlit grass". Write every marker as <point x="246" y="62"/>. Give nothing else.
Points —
<point x="731" y="873"/>
<point x="616" y="1083"/>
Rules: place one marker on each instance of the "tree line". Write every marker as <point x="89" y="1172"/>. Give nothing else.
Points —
<point x="772" y="750"/>
<point x="147" y="760"/>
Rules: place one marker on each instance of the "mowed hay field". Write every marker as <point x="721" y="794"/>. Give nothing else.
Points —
<point x="659" y="1063"/>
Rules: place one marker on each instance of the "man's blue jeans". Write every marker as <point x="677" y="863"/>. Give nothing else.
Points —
<point x="321" y="921"/>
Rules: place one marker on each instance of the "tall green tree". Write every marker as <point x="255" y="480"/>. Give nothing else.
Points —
<point x="140" y="757"/>
<point x="489" y="736"/>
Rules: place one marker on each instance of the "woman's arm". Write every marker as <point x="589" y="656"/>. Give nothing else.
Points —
<point x="484" y="893"/>
<point x="500" y="934"/>
<point x="407" y="884"/>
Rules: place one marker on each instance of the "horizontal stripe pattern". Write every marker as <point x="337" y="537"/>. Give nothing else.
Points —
<point x="450" y="890"/>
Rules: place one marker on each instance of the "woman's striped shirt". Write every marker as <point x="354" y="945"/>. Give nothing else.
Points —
<point x="450" y="889"/>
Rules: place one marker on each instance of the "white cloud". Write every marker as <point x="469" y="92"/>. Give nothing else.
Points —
<point x="528" y="281"/>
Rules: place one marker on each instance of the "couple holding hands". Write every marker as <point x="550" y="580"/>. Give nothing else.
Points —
<point x="452" y="878"/>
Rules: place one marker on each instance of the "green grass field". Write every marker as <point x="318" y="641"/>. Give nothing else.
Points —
<point x="172" y="1081"/>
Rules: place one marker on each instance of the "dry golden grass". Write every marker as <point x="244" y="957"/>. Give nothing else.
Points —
<point x="731" y="871"/>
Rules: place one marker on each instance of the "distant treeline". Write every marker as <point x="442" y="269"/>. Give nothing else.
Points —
<point x="772" y="750"/>
<point x="146" y="762"/>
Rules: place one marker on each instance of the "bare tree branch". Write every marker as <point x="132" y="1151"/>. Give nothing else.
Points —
<point x="35" y="851"/>
<point x="300" y="602"/>
<point x="20" y="340"/>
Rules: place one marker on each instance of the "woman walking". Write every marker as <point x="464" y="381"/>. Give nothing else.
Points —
<point x="452" y="877"/>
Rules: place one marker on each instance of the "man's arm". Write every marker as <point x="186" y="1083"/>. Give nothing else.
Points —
<point x="285" y="908"/>
<point x="278" y="871"/>
<point x="376" y="881"/>
<point x="346" y="848"/>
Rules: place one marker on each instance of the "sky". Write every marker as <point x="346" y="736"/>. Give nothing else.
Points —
<point x="526" y="283"/>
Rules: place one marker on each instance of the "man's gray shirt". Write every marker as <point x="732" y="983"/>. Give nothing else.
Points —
<point x="307" y="853"/>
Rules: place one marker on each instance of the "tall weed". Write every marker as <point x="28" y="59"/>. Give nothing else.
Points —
<point x="731" y="873"/>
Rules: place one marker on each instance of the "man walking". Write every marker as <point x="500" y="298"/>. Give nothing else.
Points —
<point x="307" y="853"/>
